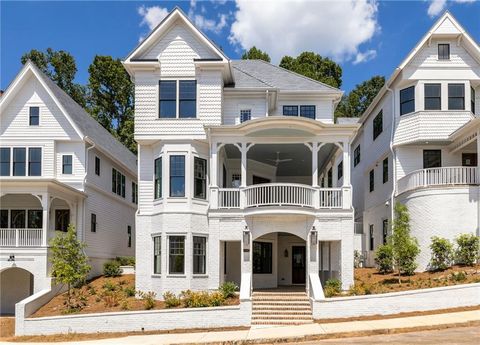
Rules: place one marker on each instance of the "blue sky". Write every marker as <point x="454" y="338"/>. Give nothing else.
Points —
<point x="366" y="38"/>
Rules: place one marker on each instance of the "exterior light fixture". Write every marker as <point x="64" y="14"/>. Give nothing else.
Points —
<point x="313" y="235"/>
<point x="285" y="253"/>
<point x="246" y="239"/>
<point x="11" y="258"/>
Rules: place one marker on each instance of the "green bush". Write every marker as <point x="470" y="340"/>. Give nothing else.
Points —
<point x="195" y="299"/>
<point x="216" y="298"/>
<point x="228" y="289"/>
<point x="129" y="291"/>
<point x="459" y="276"/>
<point x="171" y="300"/>
<point x="111" y="269"/>
<point x="468" y="249"/>
<point x="148" y="299"/>
<point x="442" y="254"/>
<point x="125" y="260"/>
<point x="109" y="286"/>
<point x="332" y="287"/>
<point x="384" y="258"/>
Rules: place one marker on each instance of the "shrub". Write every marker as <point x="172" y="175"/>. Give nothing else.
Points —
<point x="332" y="287"/>
<point x="384" y="258"/>
<point x="195" y="299"/>
<point x="442" y="254"/>
<point x="171" y="300"/>
<point x="468" y="249"/>
<point x="109" y="286"/>
<point x="216" y="299"/>
<point x="111" y="298"/>
<point x="148" y="299"/>
<point x="129" y="291"/>
<point x="228" y="289"/>
<point x="91" y="290"/>
<point x="112" y="269"/>
<point x="125" y="260"/>
<point x="459" y="276"/>
<point x="125" y="305"/>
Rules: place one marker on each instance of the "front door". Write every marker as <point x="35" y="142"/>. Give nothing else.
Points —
<point x="298" y="265"/>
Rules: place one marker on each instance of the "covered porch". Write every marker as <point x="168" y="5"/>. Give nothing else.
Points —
<point x="32" y="211"/>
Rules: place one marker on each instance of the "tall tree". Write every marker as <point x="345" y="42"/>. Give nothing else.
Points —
<point x="255" y="54"/>
<point x="111" y="98"/>
<point x="357" y="101"/>
<point x="60" y="66"/>
<point x="314" y="66"/>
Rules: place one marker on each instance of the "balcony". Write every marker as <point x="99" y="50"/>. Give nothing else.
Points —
<point x="281" y="195"/>
<point x="445" y="176"/>
<point x="21" y="237"/>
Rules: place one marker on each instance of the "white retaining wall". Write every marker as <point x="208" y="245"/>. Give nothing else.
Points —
<point x="398" y="302"/>
<point x="147" y="320"/>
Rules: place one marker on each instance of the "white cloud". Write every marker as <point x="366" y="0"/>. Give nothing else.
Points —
<point x="204" y="23"/>
<point x="438" y="6"/>
<point x="333" y="28"/>
<point x="151" y="16"/>
<point x="364" y="57"/>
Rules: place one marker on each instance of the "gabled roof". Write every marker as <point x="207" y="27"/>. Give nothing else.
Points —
<point x="259" y="73"/>
<point x="446" y="25"/>
<point x="85" y="125"/>
<point x="163" y="26"/>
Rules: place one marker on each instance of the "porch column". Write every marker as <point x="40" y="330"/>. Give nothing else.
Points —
<point x="312" y="258"/>
<point x="214" y="175"/>
<point x="346" y="163"/>
<point x="243" y="151"/>
<point x="45" y="215"/>
<point x="314" y="149"/>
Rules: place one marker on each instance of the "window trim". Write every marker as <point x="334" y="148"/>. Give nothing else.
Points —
<point x="377" y="121"/>
<point x="63" y="164"/>
<point x="30" y="162"/>
<point x="9" y="162"/>
<point x="25" y="163"/>
<point x="30" y="116"/>
<point x="179" y="115"/>
<point x="118" y="186"/>
<point x="431" y="150"/>
<point x="177" y="99"/>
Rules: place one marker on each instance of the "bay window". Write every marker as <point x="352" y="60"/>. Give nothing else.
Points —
<point x="200" y="178"/>
<point x="176" y="255"/>
<point x="177" y="176"/>
<point x="199" y="255"/>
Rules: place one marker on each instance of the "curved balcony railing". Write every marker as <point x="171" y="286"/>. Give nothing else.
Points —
<point x="279" y="194"/>
<point x="21" y="237"/>
<point x="282" y="194"/>
<point x="437" y="177"/>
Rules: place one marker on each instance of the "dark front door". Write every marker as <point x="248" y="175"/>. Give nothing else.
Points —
<point x="298" y="265"/>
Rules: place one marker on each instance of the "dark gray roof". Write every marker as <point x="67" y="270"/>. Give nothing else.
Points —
<point x="90" y="127"/>
<point x="261" y="74"/>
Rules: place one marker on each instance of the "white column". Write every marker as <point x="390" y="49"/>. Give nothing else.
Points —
<point x="314" y="164"/>
<point x="45" y="217"/>
<point x="346" y="164"/>
<point x="214" y="165"/>
<point x="244" y="151"/>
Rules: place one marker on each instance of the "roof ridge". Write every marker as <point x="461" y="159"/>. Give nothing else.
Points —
<point x="254" y="77"/>
<point x="299" y="75"/>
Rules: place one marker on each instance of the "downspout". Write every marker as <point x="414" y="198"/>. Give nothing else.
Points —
<point x="394" y="159"/>
<point x="88" y="140"/>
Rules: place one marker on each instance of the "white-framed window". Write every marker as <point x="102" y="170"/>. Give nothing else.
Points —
<point x="118" y="183"/>
<point x="236" y="180"/>
<point x="134" y="193"/>
<point x="176" y="254"/>
<point x="97" y="166"/>
<point x="177" y="99"/>
<point x="199" y="254"/>
<point x="67" y="164"/>
<point x="199" y="178"/>
<point x="443" y="51"/>
<point x="245" y="115"/>
<point x="157" y="254"/>
<point x="34" y="116"/>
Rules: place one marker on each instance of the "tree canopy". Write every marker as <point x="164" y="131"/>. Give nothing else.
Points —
<point x="314" y="66"/>
<point x="111" y="98"/>
<point x="255" y="54"/>
<point x="61" y="67"/>
<point x="357" y="101"/>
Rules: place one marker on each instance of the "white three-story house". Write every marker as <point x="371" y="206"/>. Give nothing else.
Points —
<point x="240" y="169"/>
<point x="419" y="144"/>
<point x="58" y="166"/>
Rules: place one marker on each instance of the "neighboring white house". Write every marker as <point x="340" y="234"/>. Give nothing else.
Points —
<point x="419" y="144"/>
<point x="57" y="165"/>
<point x="237" y="180"/>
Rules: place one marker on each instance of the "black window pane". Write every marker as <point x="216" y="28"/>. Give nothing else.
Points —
<point x="188" y="89"/>
<point x="456" y="90"/>
<point x="62" y="219"/>
<point x="177" y="176"/>
<point x="3" y="219"/>
<point x="97" y="166"/>
<point x="188" y="109"/>
<point x="356" y="156"/>
<point x="372" y="180"/>
<point x="432" y="90"/>
<point x="456" y="96"/>
<point x="432" y="159"/>
<point x="35" y="219"/>
<point x="176" y="255"/>
<point x="19" y="161"/>
<point x="385" y="170"/>
<point x="35" y="161"/>
<point x="407" y="100"/>
<point x="290" y="110"/>
<point x="199" y="255"/>
<point x="433" y="103"/>
<point x="168" y="109"/>
<point x="307" y="111"/>
<point x="168" y="99"/>
<point x="200" y="178"/>
<point x="5" y="161"/>
<point x="158" y="178"/>
<point x="17" y="219"/>
<point x="377" y="125"/>
<point x="67" y="164"/>
<point x="34" y="116"/>
<point x="262" y="257"/>
<point x="330" y="178"/>
<point x="472" y="100"/>
<point x="157" y="255"/>
<point x="444" y="51"/>
<point x="340" y="170"/>
<point x="245" y="115"/>
<point x="93" y="222"/>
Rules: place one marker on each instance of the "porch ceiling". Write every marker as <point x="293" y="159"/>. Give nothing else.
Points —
<point x="300" y="165"/>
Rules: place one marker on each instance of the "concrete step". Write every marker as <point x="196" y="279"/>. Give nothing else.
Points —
<point x="281" y="317"/>
<point x="281" y="308"/>
<point x="282" y="303"/>
<point x="286" y="293"/>
<point x="282" y="313"/>
<point x="279" y="298"/>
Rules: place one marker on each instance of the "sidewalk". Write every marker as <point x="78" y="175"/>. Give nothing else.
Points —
<point x="297" y="333"/>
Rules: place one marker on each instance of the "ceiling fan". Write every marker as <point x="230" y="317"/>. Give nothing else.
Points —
<point x="278" y="160"/>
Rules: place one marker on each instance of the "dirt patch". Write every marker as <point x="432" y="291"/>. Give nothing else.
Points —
<point x="396" y="316"/>
<point x="7" y="327"/>
<point x="369" y="281"/>
<point x="102" y="295"/>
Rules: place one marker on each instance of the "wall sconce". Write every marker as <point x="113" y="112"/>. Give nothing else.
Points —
<point x="246" y="239"/>
<point x="285" y="253"/>
<point x="313" y="235"/>
<point x="11" y="257"/>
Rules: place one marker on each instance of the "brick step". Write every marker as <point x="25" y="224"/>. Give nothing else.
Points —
<point x="266" y="293"/>
<point x="282" y="303"/>
<point x="278" y="308"/>
<point x="282" y="313"/>
<point x="281" y="317"/>
<point x="279" y="298"/>
<point x="281" y="323"/>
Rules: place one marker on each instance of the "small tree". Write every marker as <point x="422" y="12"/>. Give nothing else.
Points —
<point x="442" y="254"/>
<point x="69" y="262"/>
<point x="468" y="249"/>
<point x="405" y="247"/>
<point x="384" y="258"/>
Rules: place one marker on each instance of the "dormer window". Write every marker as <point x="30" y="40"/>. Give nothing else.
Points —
<point x="245" y="115"/>
<point x="34" y="116"/>
<point x="444" y="51"/>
